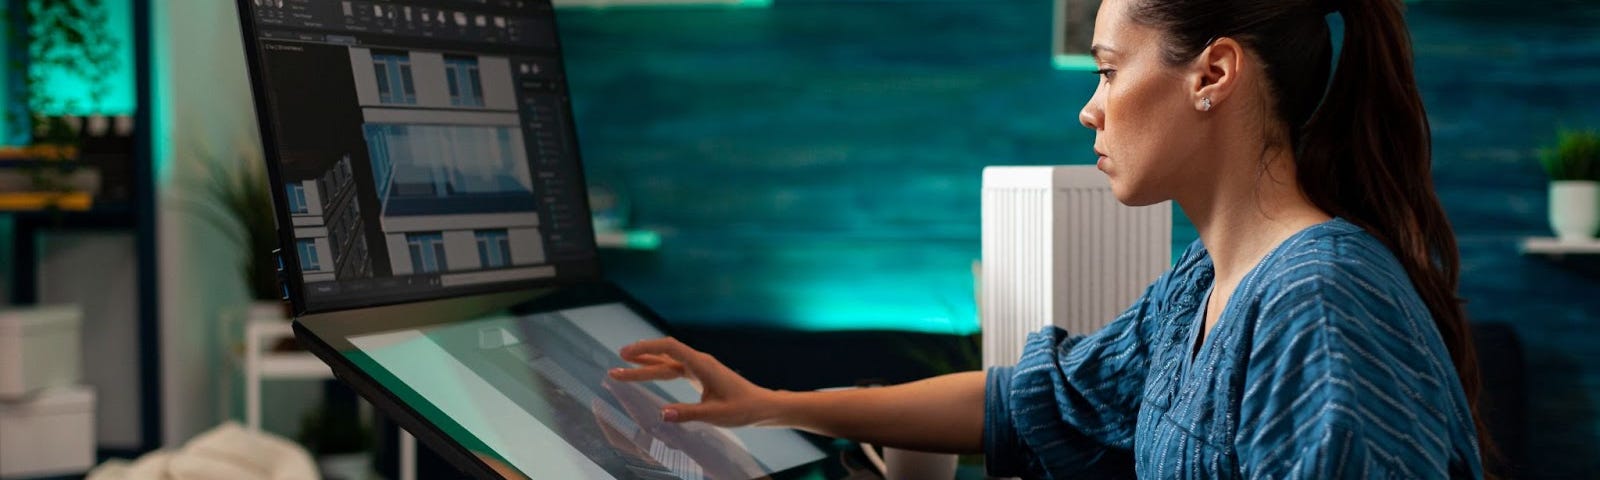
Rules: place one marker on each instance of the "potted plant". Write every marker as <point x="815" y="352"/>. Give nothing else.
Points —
<point x="1573" y="164"/>
<point x="243" y="193"/>
<point x="235" y="201"/>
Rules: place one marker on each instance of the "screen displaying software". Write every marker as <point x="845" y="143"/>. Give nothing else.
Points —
<point x="531" y="393"/>
<point x="425" y="148"/>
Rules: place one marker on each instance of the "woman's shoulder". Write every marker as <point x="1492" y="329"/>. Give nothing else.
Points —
<point x="1335" y="253"/>
<point x="1341" y="289"/>
<point x="1338" y="268"/>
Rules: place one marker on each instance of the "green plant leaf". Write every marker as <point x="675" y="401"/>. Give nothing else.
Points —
<point x="1574" y="156"/>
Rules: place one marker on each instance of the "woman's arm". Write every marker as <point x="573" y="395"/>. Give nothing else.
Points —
<point x="943" y="414"/>
<point x="939" y="414"/>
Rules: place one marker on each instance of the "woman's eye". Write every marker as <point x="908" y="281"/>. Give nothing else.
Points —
<point x="1106" y="73"/>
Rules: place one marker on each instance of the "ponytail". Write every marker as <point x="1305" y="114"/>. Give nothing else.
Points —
<point x="1365" y="155"/>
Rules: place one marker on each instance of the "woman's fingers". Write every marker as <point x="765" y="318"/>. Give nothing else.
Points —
<point x="711" y="412"/>
<point x="727" y="399"/>
<point x="656" y="359"/>
<point x="652" y="366"/>
<point x="669" y="347"/>
<point x="659" y="359"/>
<point x="648" y="372"/>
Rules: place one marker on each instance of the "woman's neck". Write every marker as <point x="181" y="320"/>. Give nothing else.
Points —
<point x="1244" y="212"/>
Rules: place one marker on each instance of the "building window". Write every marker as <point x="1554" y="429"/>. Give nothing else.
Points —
<point x="440" y="161"/>
<point x="394" y="78"/>
<point x="427" y="252"/>
<point x="297" y="198"/>
<point x="309" y="262"/>
<point x="466" y="88"/>
<point x="494" y="248"/>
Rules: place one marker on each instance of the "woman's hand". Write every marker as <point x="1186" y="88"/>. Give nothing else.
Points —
<point x="940" y="414"/>
<point x="726" y="399"/>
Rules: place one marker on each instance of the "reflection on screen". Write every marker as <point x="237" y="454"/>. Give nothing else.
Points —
<point x="532" y="392"/>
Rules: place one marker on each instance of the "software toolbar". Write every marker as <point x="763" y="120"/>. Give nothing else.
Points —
<point x="486" y="21"/>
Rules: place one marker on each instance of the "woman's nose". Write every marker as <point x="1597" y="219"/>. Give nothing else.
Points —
<point x="1091" y="117"/>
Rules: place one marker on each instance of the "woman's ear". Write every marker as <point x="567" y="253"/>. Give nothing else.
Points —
<point x="1215" y="73"/>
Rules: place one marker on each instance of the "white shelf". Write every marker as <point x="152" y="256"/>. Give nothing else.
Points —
<point x="261" y="365"/>
<point x="1553" y="246"/>
<point x="302" y="366"/>
<point x="272" y="365"/>
<point x="269" y="329"/>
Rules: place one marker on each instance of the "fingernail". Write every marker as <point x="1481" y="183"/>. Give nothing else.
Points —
<point x="669" y="415"/>
<point x="616" y="372"/>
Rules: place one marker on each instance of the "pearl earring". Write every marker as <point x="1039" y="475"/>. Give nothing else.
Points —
<point x="1205" y="104"/>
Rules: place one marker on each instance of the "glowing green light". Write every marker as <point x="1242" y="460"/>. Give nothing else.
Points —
<point x="75" y="93"/>
<point x="852" y="315"/>
<point x="72" y="94"/>
<point x="827" y="299"/>
<point x="1074" y="62"/>
<point x="160" y="91"/>
<point x="643" y="240"/>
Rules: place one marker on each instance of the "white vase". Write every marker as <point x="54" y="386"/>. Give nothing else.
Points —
<point x="345" y="466"/>
<point x="1575" y="209"/>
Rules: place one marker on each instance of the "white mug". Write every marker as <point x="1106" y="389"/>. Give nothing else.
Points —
<point x="913" y="465"/>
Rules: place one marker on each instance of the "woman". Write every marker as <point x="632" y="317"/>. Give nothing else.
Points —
<point x="1312" y="332"/>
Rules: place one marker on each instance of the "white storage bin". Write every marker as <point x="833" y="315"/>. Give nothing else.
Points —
<point x="48" y="433"/>
<point x="39" y="349"/>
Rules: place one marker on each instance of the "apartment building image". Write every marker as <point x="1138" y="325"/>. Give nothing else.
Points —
<point x="328" y="225"/>
<point x="449" y="164"/>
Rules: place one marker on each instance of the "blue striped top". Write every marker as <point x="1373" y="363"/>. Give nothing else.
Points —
<point x="1324" y="364"/>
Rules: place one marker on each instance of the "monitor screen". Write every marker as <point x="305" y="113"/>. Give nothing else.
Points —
<point x="528" y="394"/>
<point x="419" y="149"/>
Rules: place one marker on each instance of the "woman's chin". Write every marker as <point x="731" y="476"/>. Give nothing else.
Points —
<point x="1130" y="196"/>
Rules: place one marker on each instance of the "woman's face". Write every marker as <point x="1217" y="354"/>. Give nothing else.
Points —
<point x="1147" y="126"/>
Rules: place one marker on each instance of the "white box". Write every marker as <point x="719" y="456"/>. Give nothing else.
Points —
<point x="39" y="348"/>
<point x="50" y="433"/>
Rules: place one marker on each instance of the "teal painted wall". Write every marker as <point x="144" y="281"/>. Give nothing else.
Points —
<point x="815" y="165"/>
<point x="7" y="135"/>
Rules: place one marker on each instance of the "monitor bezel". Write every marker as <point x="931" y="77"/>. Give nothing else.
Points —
<point x="291" y="279"/>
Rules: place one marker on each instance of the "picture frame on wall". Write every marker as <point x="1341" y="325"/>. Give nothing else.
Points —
<point x="1073" y="32"/>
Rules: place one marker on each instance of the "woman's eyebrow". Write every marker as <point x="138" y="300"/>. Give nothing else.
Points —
<point x="1094" y="50"/>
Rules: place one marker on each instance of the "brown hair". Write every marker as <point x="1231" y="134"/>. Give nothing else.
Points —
<point x="1361" y="142"/>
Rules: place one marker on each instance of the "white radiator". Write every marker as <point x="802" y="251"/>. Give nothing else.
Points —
<point x="1059" y="249"/>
